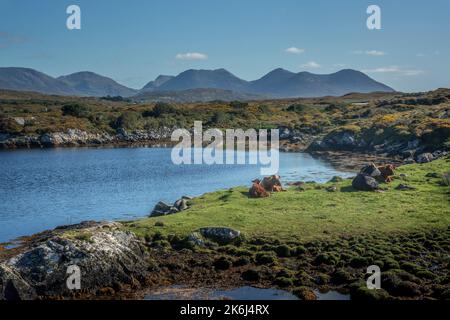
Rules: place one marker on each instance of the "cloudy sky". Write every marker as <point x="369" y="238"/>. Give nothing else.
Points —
<point x="134" y="41"/>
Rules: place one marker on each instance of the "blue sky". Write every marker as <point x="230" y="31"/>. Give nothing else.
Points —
<point x="134" y="41"/>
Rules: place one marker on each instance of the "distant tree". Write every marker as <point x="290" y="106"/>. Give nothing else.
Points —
<point x="159" y="109"/>
<point x="75" y="110"/>
<point x="127" y="120"/>
<point x="297" y="108"/>
<point x="238" y="104"/>
<point x="219" y="117"/>
<point x="115" y="98"/>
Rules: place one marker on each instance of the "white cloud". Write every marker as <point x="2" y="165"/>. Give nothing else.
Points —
<point x="191" y="56"/>
<point x="311" y="64"/>
<point x="294" y="50"/>
<point x="375" y="53"/>
<point x="395" y="69"/>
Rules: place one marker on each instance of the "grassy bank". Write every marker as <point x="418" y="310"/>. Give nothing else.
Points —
<point x="313" y="238"/>
<point x="312" y="212"/>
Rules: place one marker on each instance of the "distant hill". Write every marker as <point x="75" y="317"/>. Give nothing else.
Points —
<point x="91" y="84"/>
<point x="222" y="85"/>
<point x="77" y="84"/>
<point x="196" y="95"/>
<point x="211" y="79"/>
<point x="284" y="84"/>
<point x="24" y="79"/>
<point x="278" y="83"/>
<point x="155" y="84"/>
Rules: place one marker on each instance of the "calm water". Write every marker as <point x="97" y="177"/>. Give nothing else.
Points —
<point x="42" y="189"/>
<point x="240" y="293"/>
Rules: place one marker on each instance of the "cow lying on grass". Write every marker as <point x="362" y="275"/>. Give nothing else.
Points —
<point x="257" y="190"/>
<point x="262" y="189"/>
<point x="387" y="173"/>
<point x="381" y="174"/>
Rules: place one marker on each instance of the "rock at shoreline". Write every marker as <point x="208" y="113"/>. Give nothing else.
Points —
<point x="425" y="158"/>
<point x="163" y="209"/>
<point x="364" y="182"/>
<point x="105" y="255"/>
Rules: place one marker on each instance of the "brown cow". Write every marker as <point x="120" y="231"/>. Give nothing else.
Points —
<point x="387" y="173"/>
<point x="272" y="184"/>
<point x="257" y="190"/>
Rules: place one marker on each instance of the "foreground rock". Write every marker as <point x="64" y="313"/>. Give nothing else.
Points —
<point x="219" y="235"/>
<point x="105" y="255"/>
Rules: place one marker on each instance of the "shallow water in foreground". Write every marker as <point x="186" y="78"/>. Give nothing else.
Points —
<point x="42" y="189"/>
<point x="241" y="293"/>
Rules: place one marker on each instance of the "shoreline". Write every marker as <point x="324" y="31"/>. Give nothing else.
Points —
<point x="342" y="161"/>
<point x="164" y="260"/>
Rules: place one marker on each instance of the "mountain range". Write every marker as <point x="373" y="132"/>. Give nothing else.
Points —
<point x="189" y="85"/>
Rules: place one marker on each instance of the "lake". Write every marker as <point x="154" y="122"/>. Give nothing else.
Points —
<point x="44" y="188"/>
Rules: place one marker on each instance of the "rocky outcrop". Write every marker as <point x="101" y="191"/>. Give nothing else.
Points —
<point x="75" y="137"/>
<point x="105" y="255"/>
<point x="292" y="140"/>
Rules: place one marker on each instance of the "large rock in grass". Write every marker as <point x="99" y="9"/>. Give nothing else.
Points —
<point x="364" y="182"/>
<point x="220" y="235"/>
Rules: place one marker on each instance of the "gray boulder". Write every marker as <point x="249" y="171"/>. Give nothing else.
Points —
<point x="371" y="170"/>
<point x="220" y="235"/>
<point x="425" y="158"/>
<point x="364" y="182"/>
<point x="161" y="209"/>
<point x="181" y="204"/>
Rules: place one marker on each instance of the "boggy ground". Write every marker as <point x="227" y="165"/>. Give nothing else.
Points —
<point x="308" y="238"/>
<point x="414" y="266"/>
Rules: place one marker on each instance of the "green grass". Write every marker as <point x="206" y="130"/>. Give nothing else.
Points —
<point x="316" y="214"/>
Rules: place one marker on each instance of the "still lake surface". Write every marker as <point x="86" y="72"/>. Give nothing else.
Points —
<point x="42" y="189"/>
